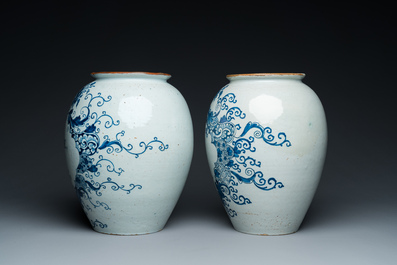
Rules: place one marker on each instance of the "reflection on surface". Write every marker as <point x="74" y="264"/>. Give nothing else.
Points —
<point x="266" y="109"/>
<point x="135" y="111"/>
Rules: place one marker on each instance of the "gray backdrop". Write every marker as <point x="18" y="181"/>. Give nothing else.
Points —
<point x="347" y="52"/>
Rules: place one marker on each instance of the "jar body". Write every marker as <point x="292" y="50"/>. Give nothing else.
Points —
<point x="129" y="145"/>
<point x="266" y="138"/>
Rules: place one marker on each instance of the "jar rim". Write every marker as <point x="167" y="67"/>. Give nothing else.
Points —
<point x="266" y="74"/>
<point x="134" y="72"/>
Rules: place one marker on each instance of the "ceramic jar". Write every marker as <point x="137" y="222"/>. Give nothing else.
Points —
<point x="129" y="145"/>
<point x="266" y="138"/>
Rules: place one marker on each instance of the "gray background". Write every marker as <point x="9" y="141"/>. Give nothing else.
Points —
<point x="347" y="51"/>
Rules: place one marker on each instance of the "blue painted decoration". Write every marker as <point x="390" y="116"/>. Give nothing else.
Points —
<point x="84" y="126"/>
<point x="98" y="223"/>
<point x="235" y="145"/>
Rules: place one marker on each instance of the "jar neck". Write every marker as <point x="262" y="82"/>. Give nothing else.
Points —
<point x="129" y="75"/>
<point x="266" y="76"/>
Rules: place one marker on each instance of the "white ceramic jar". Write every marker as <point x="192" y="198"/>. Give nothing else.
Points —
<point x="266" y="138"/>
<point x="129" y="145"/>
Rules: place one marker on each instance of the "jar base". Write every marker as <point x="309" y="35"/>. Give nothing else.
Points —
<point x="266" y="234"/>
<point x="127" y="233"/>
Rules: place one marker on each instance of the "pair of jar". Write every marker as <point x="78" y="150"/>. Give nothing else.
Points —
<point x="129" y="146"/>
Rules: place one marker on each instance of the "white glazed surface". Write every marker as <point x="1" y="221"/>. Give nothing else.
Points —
<point x="286" y="105"/>
<point x="154" y="116"/>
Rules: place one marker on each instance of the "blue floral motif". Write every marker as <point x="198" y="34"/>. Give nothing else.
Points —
<point x="84" y="127"/>
<point x="234" y="165"/>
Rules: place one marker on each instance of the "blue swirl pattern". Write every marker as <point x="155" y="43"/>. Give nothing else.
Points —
<point x="84" y="126"/>
<point x="234" y="165"/>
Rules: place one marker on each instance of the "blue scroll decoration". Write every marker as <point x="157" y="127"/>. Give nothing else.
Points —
<point x="84" y="126"/>
<point x="235" y="162"/>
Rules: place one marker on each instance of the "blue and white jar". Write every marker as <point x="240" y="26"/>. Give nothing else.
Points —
<point x="129" y="145"/>
<point x="266" y="138"/>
